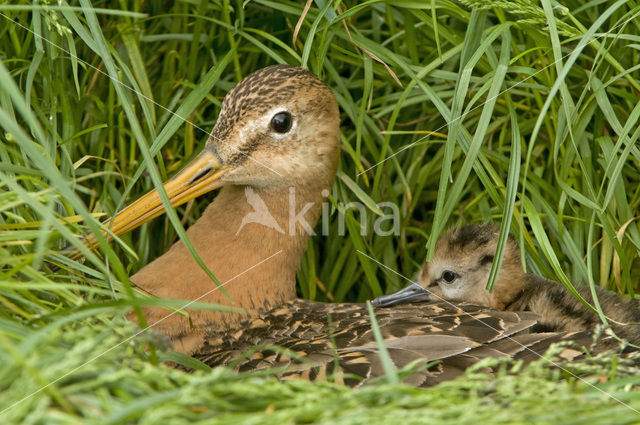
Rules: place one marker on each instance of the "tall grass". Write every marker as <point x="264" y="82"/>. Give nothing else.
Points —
<point x="520" y="112"/>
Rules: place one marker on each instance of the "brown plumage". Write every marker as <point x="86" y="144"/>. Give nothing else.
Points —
<point x="275" y="149"/>
<point x="452" y="337"/>
<point x="459" y="271"/>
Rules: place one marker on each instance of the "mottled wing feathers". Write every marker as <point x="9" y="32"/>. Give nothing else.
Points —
<point x="297" y="338"/>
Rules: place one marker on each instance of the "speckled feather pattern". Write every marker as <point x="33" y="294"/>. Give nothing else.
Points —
<point x="454" y="336"/>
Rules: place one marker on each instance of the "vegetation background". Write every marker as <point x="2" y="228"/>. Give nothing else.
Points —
<point x="521" y="112"/>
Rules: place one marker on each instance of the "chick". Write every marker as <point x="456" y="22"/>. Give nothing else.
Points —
<point x="459" y="271"/>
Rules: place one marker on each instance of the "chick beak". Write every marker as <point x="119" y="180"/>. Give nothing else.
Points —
<point x="410" y="293"/>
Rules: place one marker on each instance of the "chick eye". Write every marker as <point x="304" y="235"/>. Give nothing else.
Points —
<point x="281" y="122"/>
<point x="449" y="276"/>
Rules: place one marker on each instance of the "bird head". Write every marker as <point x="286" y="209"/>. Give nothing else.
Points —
<point x="278" y="127"/>
<point x="461" y="263"/>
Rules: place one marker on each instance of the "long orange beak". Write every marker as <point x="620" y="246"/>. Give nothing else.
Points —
<point x="200" y="176"/>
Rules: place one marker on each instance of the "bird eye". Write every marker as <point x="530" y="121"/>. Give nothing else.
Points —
<point x="449" y="276"/>
<point x="281" y="122"/>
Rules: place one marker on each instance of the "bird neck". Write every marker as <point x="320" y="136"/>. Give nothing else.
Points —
<point x="512" y="282"/>
<point x="252" y="239"/>
<point x="527" y="290"/>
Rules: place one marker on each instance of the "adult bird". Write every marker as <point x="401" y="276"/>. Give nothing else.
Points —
<point x="274" y="154"/>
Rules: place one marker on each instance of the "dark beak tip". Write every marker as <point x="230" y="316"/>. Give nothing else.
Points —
<point x="411" y="293"/>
